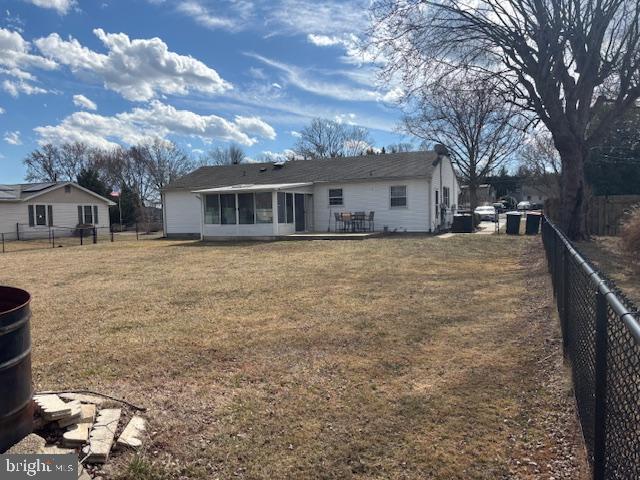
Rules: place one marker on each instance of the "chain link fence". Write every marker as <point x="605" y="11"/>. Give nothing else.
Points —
<point x="31" y="238"/>
<point x="601" y="339"/>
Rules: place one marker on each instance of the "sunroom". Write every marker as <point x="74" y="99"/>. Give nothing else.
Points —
<point x="256" y="211"/>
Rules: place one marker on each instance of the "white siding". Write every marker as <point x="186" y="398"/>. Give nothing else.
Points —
<point x="445" y="170"/>
<point x="182" y="211"/>
<point x="375" y="196"/>
<point x="10" y="214"/>
<point x="64" y="215"/>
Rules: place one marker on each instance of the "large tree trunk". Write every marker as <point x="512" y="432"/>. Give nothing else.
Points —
<point x="573" y="196"/>
<point x="473" y="196"/>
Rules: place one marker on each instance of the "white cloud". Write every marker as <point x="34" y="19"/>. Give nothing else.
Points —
<point x="61" y="6"/>
<point x="12" y="138"/>
<point x="311" y="83"/>
<point x="348" y="118"/>
<point x="204" y="17"/>
<point x="255" y="126"/>
<point x="324" y="40"/>
<point x="329" y="18"/>
<point x="138" y="69"/>
<point x="295" y="134"/>
<point x="1" y="110"/>
<point x="15" y="61"/>
<point x="83" y="102"/>
<point x="155" y="120"/>
<point x="14" y="88"/>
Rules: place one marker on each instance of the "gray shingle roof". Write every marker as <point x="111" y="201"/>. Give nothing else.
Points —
<point x="19" y="191"/>
<point x="344" y="169"/>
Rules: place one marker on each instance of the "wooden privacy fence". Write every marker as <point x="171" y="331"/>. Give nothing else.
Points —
<point x="605" y="214"/>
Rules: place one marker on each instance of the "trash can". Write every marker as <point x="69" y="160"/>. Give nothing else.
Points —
<point x="16" y="409"/>
<point x="513" y="223"/>
<point x="462" y="223"/>
<point x="532" y="226"/>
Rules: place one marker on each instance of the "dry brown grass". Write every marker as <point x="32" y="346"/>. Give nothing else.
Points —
<point x="610" y="256"/>
<point x="407" y="358"/>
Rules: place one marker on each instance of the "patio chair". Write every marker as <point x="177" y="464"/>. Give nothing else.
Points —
<point x="337" y="219"/>
<point x="358" y="221"/>
<point x="346" y="221"/>
<point x="370" y="221"/>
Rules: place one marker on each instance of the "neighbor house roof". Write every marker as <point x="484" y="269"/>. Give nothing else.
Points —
<point x="342" y="169"/>
<point x="21" y="192"/>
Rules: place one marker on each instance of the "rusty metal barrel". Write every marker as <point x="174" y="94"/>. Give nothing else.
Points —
<point x="16" y="391"/>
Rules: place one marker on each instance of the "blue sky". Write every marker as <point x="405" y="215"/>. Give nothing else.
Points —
<point x="202" y="73"/>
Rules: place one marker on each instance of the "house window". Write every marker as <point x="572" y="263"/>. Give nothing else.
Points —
<point x="228" y="208"/>
<point x="399" y="196"/>
<point x="289" y="207"/>
<point x="212" y="209"/>
<point x="246" y="208"/>
<point x="264" y="207"/>
<point x="445" y="196"/>
<point x="335" y="197"/>
<point x="67" y="189"/>
<point x="88" y="215"/>
<point x="41" y="215"/>
<point x="282" y="217"/>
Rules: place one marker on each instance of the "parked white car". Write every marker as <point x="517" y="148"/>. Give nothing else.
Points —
<point x="526" y="205"/>
<point x="486" y="212"/>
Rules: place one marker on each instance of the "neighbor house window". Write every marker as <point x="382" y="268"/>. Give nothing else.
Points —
<point x="67" y="189"/>
<point x="282" y="216"/>
<point x="399" y="196"/>
<point x="246" y="211"/>
<point x="335" y="197"/>
<point x="289" y="207"/>
<point x="264" y="207"/>
<point x="212" y="209"/>
<point x="87" y="214"/>
<point x="41" y="215"/>
<point x="445" y="196"/>
<point x="228" y="208"/>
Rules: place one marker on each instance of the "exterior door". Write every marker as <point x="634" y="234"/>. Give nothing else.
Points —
<point x="299" y="205"/>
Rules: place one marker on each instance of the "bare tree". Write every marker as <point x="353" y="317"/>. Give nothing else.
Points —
<point x="539" y="161"/>
<point x="324" y="138"/>
<point x="575" y="64"/>
<point x="356" y="142"/>
<point x="231" y="155"/>
<point x="74" y="157"/>
<point x="164" y="162"/>
<point x="43" y="164"/>
<point x="398" y="148"/>
<point x="480" y="131"/>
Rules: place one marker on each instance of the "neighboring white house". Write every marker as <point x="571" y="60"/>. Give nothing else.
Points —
<point x="408" y="192"/>
<point x="32" y="208"/>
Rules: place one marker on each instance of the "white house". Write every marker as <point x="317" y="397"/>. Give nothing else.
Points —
<point x="407" y="192"/>
<point x="28" y="209"/>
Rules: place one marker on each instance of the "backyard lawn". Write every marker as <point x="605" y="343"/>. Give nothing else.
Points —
<point x="393" y="358"/>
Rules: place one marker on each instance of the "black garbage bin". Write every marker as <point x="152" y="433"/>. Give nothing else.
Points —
<point x="532" y="226"/>
<point x="462" y="223"/>
<point x="513" y="223"/>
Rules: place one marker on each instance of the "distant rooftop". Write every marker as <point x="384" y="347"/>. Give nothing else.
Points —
<point x="20" y="191"/>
